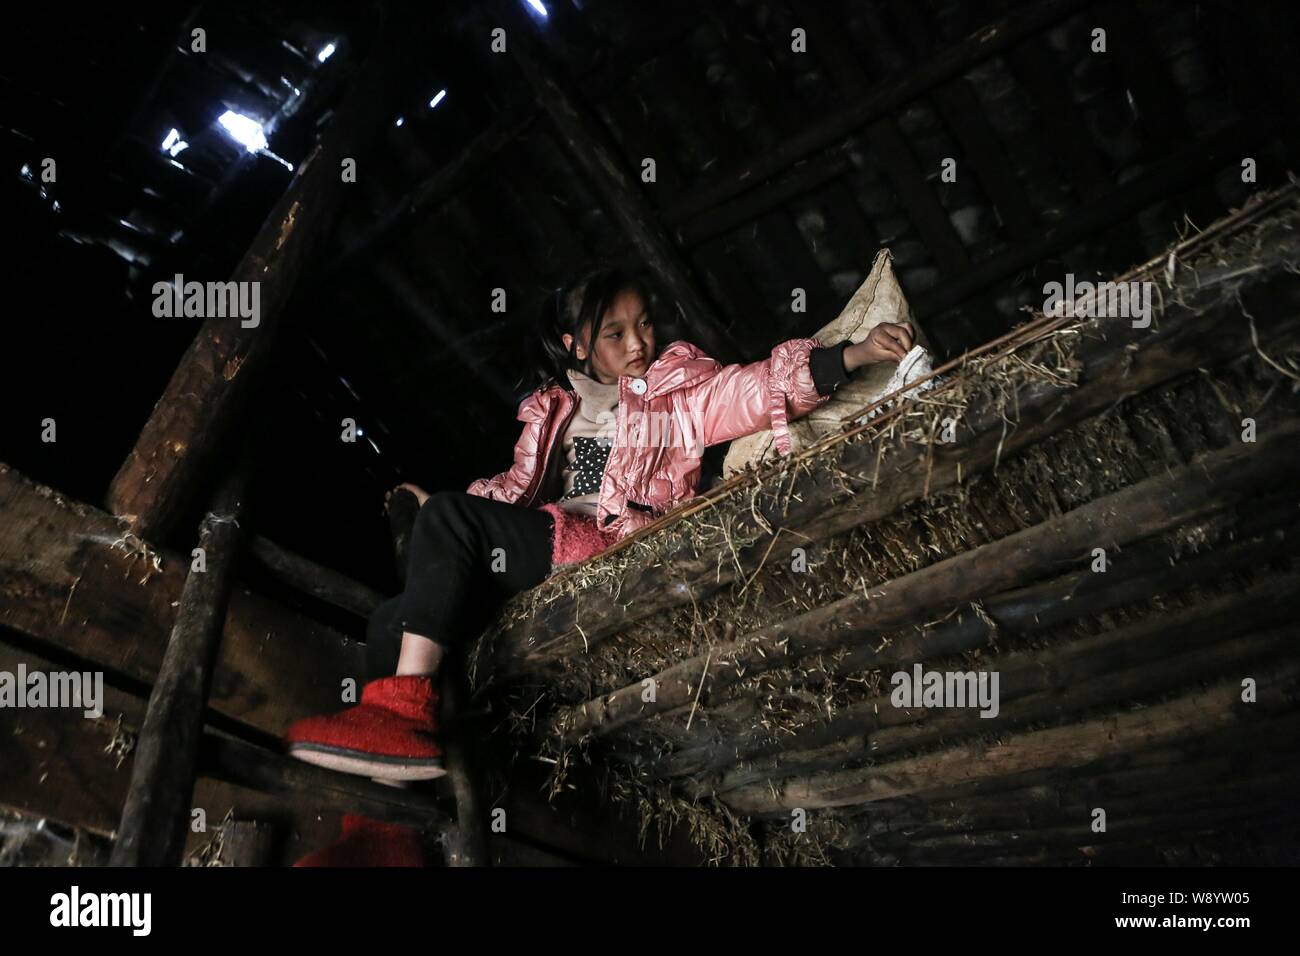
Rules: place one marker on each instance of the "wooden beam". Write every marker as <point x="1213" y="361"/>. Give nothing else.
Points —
<point x="156" y="814"/>
<point x="1149" y="569"/>
<point x="593" y="153"/>
<point x="320" y="582"/>
<point x="72" y="769"/>
<point x="1092" y="674"/>
<point x="1181" y="719"/>
<point x="1054" y="107"/>
<point x="1189" y="336"/>
<point x="75" y="579"/>
<point x="216" y="377"/>
<point x="1219" y="764"/>
<point x="237" y="762"/>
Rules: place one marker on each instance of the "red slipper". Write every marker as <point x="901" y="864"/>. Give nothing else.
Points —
<point x="391" y="734"/>
<point x="368" y="842"/>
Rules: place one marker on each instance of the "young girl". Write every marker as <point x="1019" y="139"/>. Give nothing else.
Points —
<point x="612" y="438"/>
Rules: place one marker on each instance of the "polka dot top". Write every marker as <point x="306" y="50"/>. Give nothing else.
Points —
<point x="586" y="443"/>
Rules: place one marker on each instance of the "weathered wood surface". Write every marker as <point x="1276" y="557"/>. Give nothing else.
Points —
<point x="1074" y="745"/>
<point x="1058" y="688"/>
<point x="1116" y="361"/>
<point x="1217" y="481"/>
<point x="1204" y="769"/>
<point x="63" y="582"/>
<point x="1143" y="570"/>
<point x="62" y="765"/>
<point x="156" y="813"/>
<point x="247" y="843"/>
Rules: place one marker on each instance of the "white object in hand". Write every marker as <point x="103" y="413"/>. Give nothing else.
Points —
<point x="915" y="364"/>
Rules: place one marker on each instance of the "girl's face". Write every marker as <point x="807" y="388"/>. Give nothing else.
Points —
<point x="627" y="340"/>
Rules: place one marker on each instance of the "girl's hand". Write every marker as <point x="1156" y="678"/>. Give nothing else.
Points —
<point x="421" y="496"/>
<point x="887" y="342"/>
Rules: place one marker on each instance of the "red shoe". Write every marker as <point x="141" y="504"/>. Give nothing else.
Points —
<point x="369" y="843"/>
<point x="390" y="735"/>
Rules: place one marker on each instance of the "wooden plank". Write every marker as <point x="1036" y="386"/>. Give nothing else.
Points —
<point x="1149" y="569"/>
<point x="215" y="378"/>
<point x="1094" y="672"/>
<point x="64" y="583"/>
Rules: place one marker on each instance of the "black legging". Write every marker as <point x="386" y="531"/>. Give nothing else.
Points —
<point x="467" y="555"/>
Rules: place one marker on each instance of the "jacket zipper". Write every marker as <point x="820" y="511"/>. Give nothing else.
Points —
<point x="540" y="475"/>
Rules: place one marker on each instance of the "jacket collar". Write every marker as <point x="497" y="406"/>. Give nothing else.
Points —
<point x="679" y="365"/>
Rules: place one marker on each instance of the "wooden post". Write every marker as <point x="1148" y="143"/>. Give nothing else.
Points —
<point x="201" y="403"/>
<point x="166" y="762"/>
<point x="465" y="844"/>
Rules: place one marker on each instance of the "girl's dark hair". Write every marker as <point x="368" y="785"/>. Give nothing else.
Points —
<point x="583" y="299"/>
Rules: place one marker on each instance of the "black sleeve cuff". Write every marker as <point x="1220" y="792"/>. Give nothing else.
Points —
<point x="827" y="367"/>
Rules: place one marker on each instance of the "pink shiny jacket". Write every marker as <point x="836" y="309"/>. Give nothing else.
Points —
<point x="686" y="402"/>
